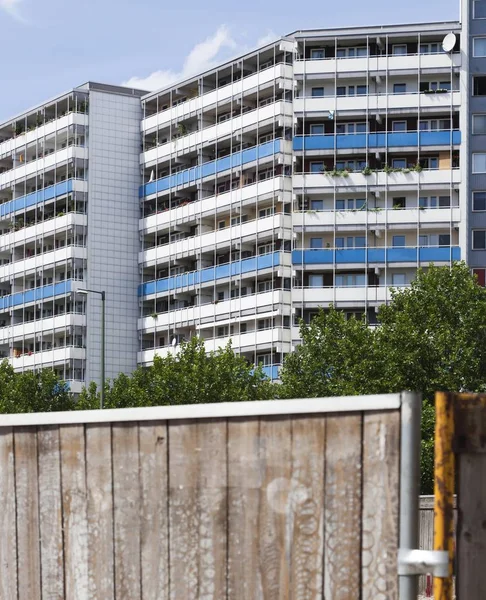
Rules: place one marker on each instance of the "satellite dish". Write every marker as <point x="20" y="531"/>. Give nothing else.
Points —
<point x="174" y="342"/>
<point x="449" y="42"/>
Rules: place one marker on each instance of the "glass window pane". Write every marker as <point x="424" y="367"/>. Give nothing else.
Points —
<point x="339" y="242"/>
<point x="399" y="163"/>
<point x="317" y="204"/>
<point x="479" y="124"/>
<point x="399" y="88"/>
<point x="360" y="280"/>
<point x="479" y="163"/>
<point x="341" y="52"/>
<point x="350" y="242"/>
<point x="398" y="240"/>
<point x="317" y="129"/>
<point x="350" y="127"/>
<point x="399" y="126"/>
<point x="361" y="90"/>
<point x="361" y="52"/>
<point x="339" y="281"/>
<point x="350" y="204"/>
<point x="423" y="202"/>
<point x="340" y="128"/>
<point x="479" y="85"/>
<point x="444" y="201"/>
<point x="360" y="127"/>
<point x="445" y="85"/>
<point x="340" y="166"/>
<point x="479" y="46"/>
<point x="360" y="241"/>
<point x="444" y="239"/>
<point x="423" y="240"/>
<point x="316" y="167"/>
<point x="317" y="53"/>
<point x="479" y="239"/>
<point x="316" y="280"/>
<point x="479" y="200"/>
<point x="360" y="203"/>
<point x="317" y="91"/>
<point x="351" y="52"/>
<point x="399" y="49"/>
<point x="424" y="48"/>
<point x="351" y="90"/>
<point x="340" y="204"/>
<point x="316" y="243"/>
<point x="433" y="163"/>
<point x="341" y="90"/>
<point x="480" y="9"/>
<point x="398" y="279"/>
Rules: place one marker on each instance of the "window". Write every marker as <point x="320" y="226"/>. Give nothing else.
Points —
<point x="479" y="239"/>
<point x="399" y="88"/>
<point x="316" y="281"/>
<point x="398" y="241"/>
<point x="479" y="9"/>
<point x="434" y="239"/>
<point x="430" y="162"/>
<point x="268" y="137"/>
<point x="351" y="52"/>
<point x="479" y="124"/>
<point x="479" y="85"/>
<point x="479" y="162"/>
<point x="316" y="167"/>
<point x="316" y="53"/>
<point x="265" y="249"/>
<point x="444" y="201"/>
<point x="351" y="90"/>
<point x="479" y="201"/>
<point x="399" y="126"/>
<point x="264" y="324"/>
<point x="435" y="125"/>
<point x="265" y="286"/>
<point x="316" y="243"/>
<point x="265" y="360"/>
<point x="399" y="202"/>
<point x="341" y="90"/>
<point x="317" y="91"/>
<point x="221" y="224"/>
<point x="351" y="242"/>
<point x="343" y="128"/>
<point x="350" y="204"/>
<point x="399" y="49"/>
<point x="317" y="204"/>
<point x="317" y="129"/>
<point x="266" y="212"/>
<point x="432" y="48"/>
<point x="350" y="165"/>
<point x="399" y="163"/>
<point x="479" y="47"/>
<point x="398" y="279"/>
<point x="350" y="280"/>
<point x="426" y="86"/>
<point x="361" y="90"/>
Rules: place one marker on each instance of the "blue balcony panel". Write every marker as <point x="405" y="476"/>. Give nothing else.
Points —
<point x="48" y="193"/>
<point x="377" y="140"/>
<point x="40" y="293"/>
<point x="194" y="278"/>
<point x="271" y="371"/>
<point x="193" y="174"/>
<point x="375" y="255"/>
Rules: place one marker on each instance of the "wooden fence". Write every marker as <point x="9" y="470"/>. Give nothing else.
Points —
<point x="262" y="500"/>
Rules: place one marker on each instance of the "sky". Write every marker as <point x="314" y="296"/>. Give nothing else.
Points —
<point x="51" y="46"/>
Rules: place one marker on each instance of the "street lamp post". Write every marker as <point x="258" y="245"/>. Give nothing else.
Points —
<point x="102" y="294"/>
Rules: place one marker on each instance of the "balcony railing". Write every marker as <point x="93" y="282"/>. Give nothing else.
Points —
<point x="36" y="294"/>
<point x="414" y="254"/>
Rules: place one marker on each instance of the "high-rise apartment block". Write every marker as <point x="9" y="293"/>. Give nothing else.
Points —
<point x="323" y="168"/>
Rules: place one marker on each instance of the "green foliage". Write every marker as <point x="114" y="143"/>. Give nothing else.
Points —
<point x="39" y="391"/>
<point x="432" y="336"/>
<point x="190" y="377"/>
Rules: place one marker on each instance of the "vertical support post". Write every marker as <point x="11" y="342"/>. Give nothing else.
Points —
<point x="444" y="489"/>
<point x="102" y="396"/>
<point x="411" y="413"/>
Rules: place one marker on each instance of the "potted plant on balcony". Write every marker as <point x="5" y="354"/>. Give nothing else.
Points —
<point x="154" y="316"/>
<point x="367" y="171"/>
<point x="181" y="129"/>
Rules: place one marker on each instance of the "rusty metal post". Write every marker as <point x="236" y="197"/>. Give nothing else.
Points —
<point x="444" y="489"/>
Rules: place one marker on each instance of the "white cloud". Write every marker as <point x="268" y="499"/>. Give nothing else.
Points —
<point x="202" y="57"/>
<point x="268" y="38"/>
<point x="12" y="8"/>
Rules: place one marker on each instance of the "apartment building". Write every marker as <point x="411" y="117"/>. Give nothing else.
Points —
<point x="323" y="168"/>
<point x="69" y="179"/>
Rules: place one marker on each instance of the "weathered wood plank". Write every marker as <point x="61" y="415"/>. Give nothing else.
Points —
<point x="275" y="539"/>
<point x="155" y="527"/>
<point x="342" y="506"/>
<point x="244" y="483"/>
<point x="50" y="513"/>
<point x="75" y="520"/>
<point x="471" y="526"/>
<point x="307" y="506"/>
<point x="8" y="537"/>
<point x="126" y="497"/>
<point x="198" y="510"/>
<point x="381" y="438"/>
<point x="26" y="485"/>
<point x="100" y="511"/>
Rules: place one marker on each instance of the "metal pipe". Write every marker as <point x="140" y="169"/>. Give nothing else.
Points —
<point x="444" y="489"/>
<point x="102" y="396"/>
<point x="411" y="410"/>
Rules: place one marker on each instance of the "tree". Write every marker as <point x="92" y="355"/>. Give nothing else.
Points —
<point x="32" y="391"/>
<point x="431" y="336"/>
<point x="192" y="376"/>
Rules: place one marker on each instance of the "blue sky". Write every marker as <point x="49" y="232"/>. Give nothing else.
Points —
<point x="50" y="46"/>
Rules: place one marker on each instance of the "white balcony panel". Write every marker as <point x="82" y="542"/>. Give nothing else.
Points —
<point x="75" y="387"/>
<point x="245" y="195"/>
<point x="280" y="112"/>
<point x="214" y="310"/>
<point x="382" y="102"/>
<point x="378" y="63"/>
<point x="437" y="177"/>
<point x="26" y="330"/>
<point x="206" y="242"/>
<point x="364" y="218"/>
<point x="347" y="295"/>
<point x="19" y="142"/>
<point x="46" y="228"/>
<point x="58" y="356"/>
<point x="181" y="111"/>
<point x="42" y="261"/>
<point x="47" y="162"/>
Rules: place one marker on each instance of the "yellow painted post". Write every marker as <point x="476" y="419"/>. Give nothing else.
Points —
<point x="444" y="489"/>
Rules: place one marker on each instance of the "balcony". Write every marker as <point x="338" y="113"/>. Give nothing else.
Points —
<point x="47" y="358"/>
<point x="232" y="269"/>
<point x="363" y="218"/>
<point x="272" y="113"/>
<point x="212" y="168"/>
<point x="377" y="140"/>
<point x="400" y="180"/>
<point x="42" y="229"/>
<point x="364" y="64"/>
<point x="246" y="195"/>
<point x="272" y="371"/>
<point x="27" y="329"/>
<point x="412" y="255"/>
<point x="44" y="260"/>
<point x="212" y="97"/>
<point x="276" y="225"/>
<point x="377" y="102"/>
<point x="343" y="296"/>
<point x="36" y="294"/>
<point x="262" y="302"/>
